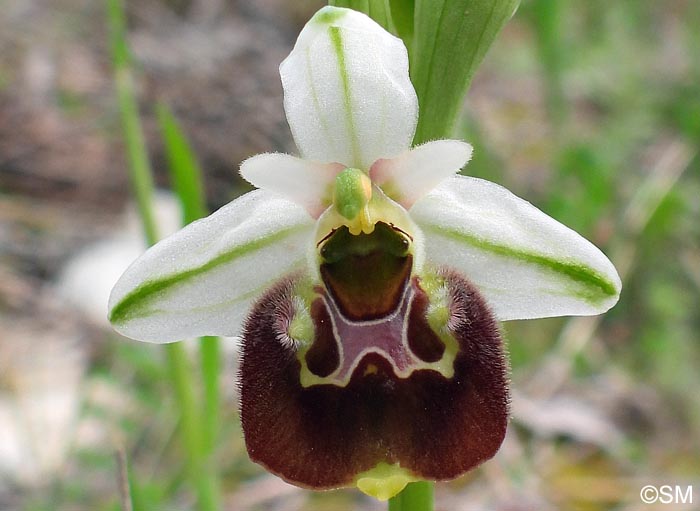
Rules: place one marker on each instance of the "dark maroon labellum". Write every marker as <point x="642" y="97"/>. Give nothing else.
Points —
<point x="323" y="435"/>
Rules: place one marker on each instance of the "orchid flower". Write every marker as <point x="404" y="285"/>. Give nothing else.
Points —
<point x="365" y="278"/>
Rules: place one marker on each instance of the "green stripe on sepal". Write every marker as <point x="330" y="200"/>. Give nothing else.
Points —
<point x="597" y="288"/>
<point x="330" y="14"/>
<point x="337" y="40"/>
<point x="135" y="303"/>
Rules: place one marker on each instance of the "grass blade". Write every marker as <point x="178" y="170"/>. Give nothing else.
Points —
<point x="187" y="180"/>
<point x="142" y="183"/>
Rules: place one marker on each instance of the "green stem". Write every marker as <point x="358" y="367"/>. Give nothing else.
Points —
<point x="139" y="166"/>
<point x="417" y="496"/>
<point x="211" y="367"/>
<point x="200" y="470"/>
<point x="201" y="473"/>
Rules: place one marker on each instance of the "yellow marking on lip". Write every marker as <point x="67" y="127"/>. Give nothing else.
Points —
<point x="370" y="369"/>
<point x="384" y="481"/>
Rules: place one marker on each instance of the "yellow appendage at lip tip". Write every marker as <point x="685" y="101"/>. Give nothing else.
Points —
<point x="384" y="481"/>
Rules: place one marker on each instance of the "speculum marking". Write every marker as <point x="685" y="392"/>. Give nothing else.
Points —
<point x="393" y="337"/>
<point x="370" y="305"/>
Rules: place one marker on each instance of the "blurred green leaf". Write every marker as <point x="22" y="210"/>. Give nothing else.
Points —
<point x="145" y="363"/>
<point x="147" y="495"/>
<point x="139" y="164"/>
<point x="378" y="10"/>
<point x="184" y="169"/>
<point x="450" y="40"/>
<point x="682" y="107"/>
<point x="187" y="180"/>
<point x="546" y="18"/>
<point x="194" y="428"/>
<point x="485" y="162"/>
<point x="358" y="5"/>
<point x="402" y="17"/>
<point x="585" y="176"/>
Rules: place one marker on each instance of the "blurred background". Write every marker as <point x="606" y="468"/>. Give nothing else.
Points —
<point x="590" y="110"/>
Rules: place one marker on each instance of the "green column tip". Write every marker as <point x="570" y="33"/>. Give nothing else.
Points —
<point x="353" y="190"/>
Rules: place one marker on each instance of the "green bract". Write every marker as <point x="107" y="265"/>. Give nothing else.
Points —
<point x="374" y="276"/>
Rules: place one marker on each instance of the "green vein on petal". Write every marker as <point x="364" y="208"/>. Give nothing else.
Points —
<point x="596" y="288"/>
<point x="337" y="41"/>
<point x="135" y="303"/>
<point x="328" y="15"/>
<point x="257" y="291"/>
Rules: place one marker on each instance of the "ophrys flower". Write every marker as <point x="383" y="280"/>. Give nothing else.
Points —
<point x="376" y="275"/>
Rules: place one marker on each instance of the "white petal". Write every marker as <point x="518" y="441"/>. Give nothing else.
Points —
<point x="307" y="183"/>
<point x="526" y="264"/>
<point x="202" y="279"/>
<point x="347" y="93"/>
<point x="413" y="174"/>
